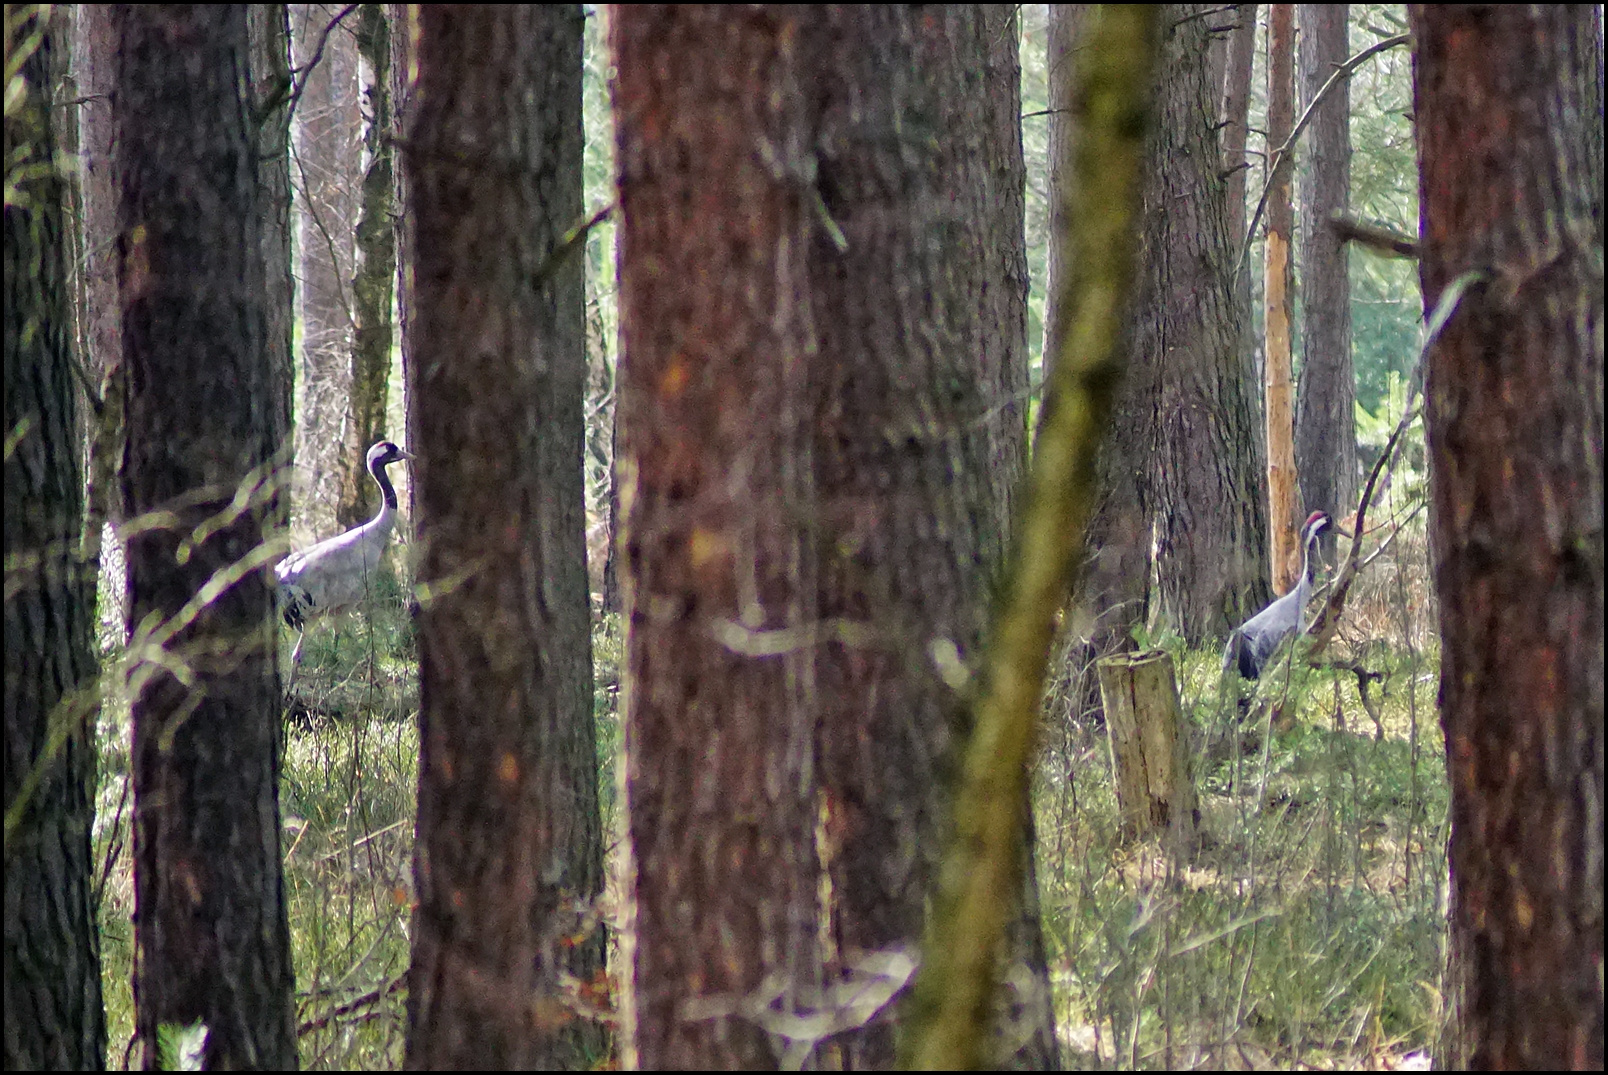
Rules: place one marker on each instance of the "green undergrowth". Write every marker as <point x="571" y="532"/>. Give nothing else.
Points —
<point x="1307" y="925"/>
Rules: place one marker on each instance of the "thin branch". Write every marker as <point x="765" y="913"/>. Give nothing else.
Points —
<point x="318" y="55"/>
<point x="1342" y="72"/>
<point x="1327" y="621"/>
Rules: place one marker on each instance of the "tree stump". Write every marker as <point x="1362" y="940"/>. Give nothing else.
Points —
<point x="1149" y="762"/>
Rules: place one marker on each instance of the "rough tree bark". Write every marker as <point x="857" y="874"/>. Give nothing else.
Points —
<point x="1326" y="397"/>
<point x="718" y="706"/>
<point x="1279" y="303"/>
<point x="202" y="421"/>
<point x="918" y="393"/>
<point x="508" y="859"/>
<point x="1509" y="188"/>
<point x="53" y="1015"/>
<point x="1211" y="526"/>
<point x="373" y="269"/>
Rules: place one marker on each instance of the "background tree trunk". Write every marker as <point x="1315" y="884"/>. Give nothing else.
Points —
<point x="332" y="482"/>
<point x="1113" y="590"/>
<point x="1509" y="188"/>
<point x="374" y="269"/>
<point x="1237" y="170"/>
<point x="53" y="1015"/>
<point x="211" y="928"/>
<point x="508" y="859"/>
<point x="1280" y="303"/>
<point x="1207" y="474"/>
<point x="270" y="84"/>
<point x="1326" y="399"/>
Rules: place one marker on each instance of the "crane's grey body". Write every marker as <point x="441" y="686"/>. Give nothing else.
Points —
<point x="339" y="573"/>
<point x="1253" y="642"/>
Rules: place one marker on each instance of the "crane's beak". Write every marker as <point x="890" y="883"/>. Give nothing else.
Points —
<point x="405" y="454"/>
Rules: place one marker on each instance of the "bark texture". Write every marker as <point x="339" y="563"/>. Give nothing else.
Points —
<point x="1113" y="590"/>
<point x="918" y="430"/>
<point x="1279" y="308"/>
<point x="373" y="268"/>
<point x="1508" y="187"/>
<point x="1211" y="524"/>
<point x="53" y="1015"/>
<point x="213" y="942"/>
<point x="508" y="859"/>
<point x="718" y="725"/>
<point x="1326" y="397"/>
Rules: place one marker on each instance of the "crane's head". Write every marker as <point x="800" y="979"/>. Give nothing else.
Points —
<point x="1316" y="524"/>
<point x="383" y="454"/>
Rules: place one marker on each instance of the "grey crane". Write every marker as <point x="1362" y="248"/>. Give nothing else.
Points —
<point x="1253" y="642"/>
<point x="338" y="573"/>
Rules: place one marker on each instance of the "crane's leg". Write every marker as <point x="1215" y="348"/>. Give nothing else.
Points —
<point x="295" y="659"/>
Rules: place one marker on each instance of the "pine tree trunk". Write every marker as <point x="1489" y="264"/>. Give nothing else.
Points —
<point x="1326" y="399"/>
<point x="53" y="1015"/>
<point x="1509" y="188"/>
<point x="718" y="718"/>
<point x="508" y="859"/>
<point x="374" y="268"/>
<point x="1279" y="312"/>
<point x="202" y="424"/>
<point x="1206" y="470"/>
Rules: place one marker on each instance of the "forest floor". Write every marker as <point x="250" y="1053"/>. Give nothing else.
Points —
<point x="1307" y="928"/>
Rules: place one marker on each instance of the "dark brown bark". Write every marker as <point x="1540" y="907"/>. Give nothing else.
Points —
<point x="1279" y="304"/>
<point x="1508" y="188"/>
<point x="919" y="392"/>
<point x="1206" y="471"/>
<point x="374" y="268"/>
<point x="1326" y="397"/>
<point x="211" y="927"/>
<point x="718" y="713"/>
<point x="331" y="481"/>
<point x="53" y="1015"/>
<point x="508" y="859"/>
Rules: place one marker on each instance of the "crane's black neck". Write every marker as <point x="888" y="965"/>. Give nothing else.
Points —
<point x="377" y="469"/>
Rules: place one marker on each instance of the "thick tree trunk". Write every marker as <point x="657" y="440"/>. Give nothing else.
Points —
<point x="1113" y="593"/>
<point x="1509" y="188"/>
<point x="374" y="268"/>
<point x="1211" y="526"/>
<point x="508" y="859"/>
<point x="718" y="710"/>
<point x="202" y="424"/>
<point x="53" y="1016"/>
<point x="919" y="431"/>
<point x="1279" y="303"/>
<point x="1326" y="400"/>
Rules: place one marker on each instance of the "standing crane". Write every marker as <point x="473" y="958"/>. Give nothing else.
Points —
<point x="338" y="573"/>
<point x="1253" y="642"/>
